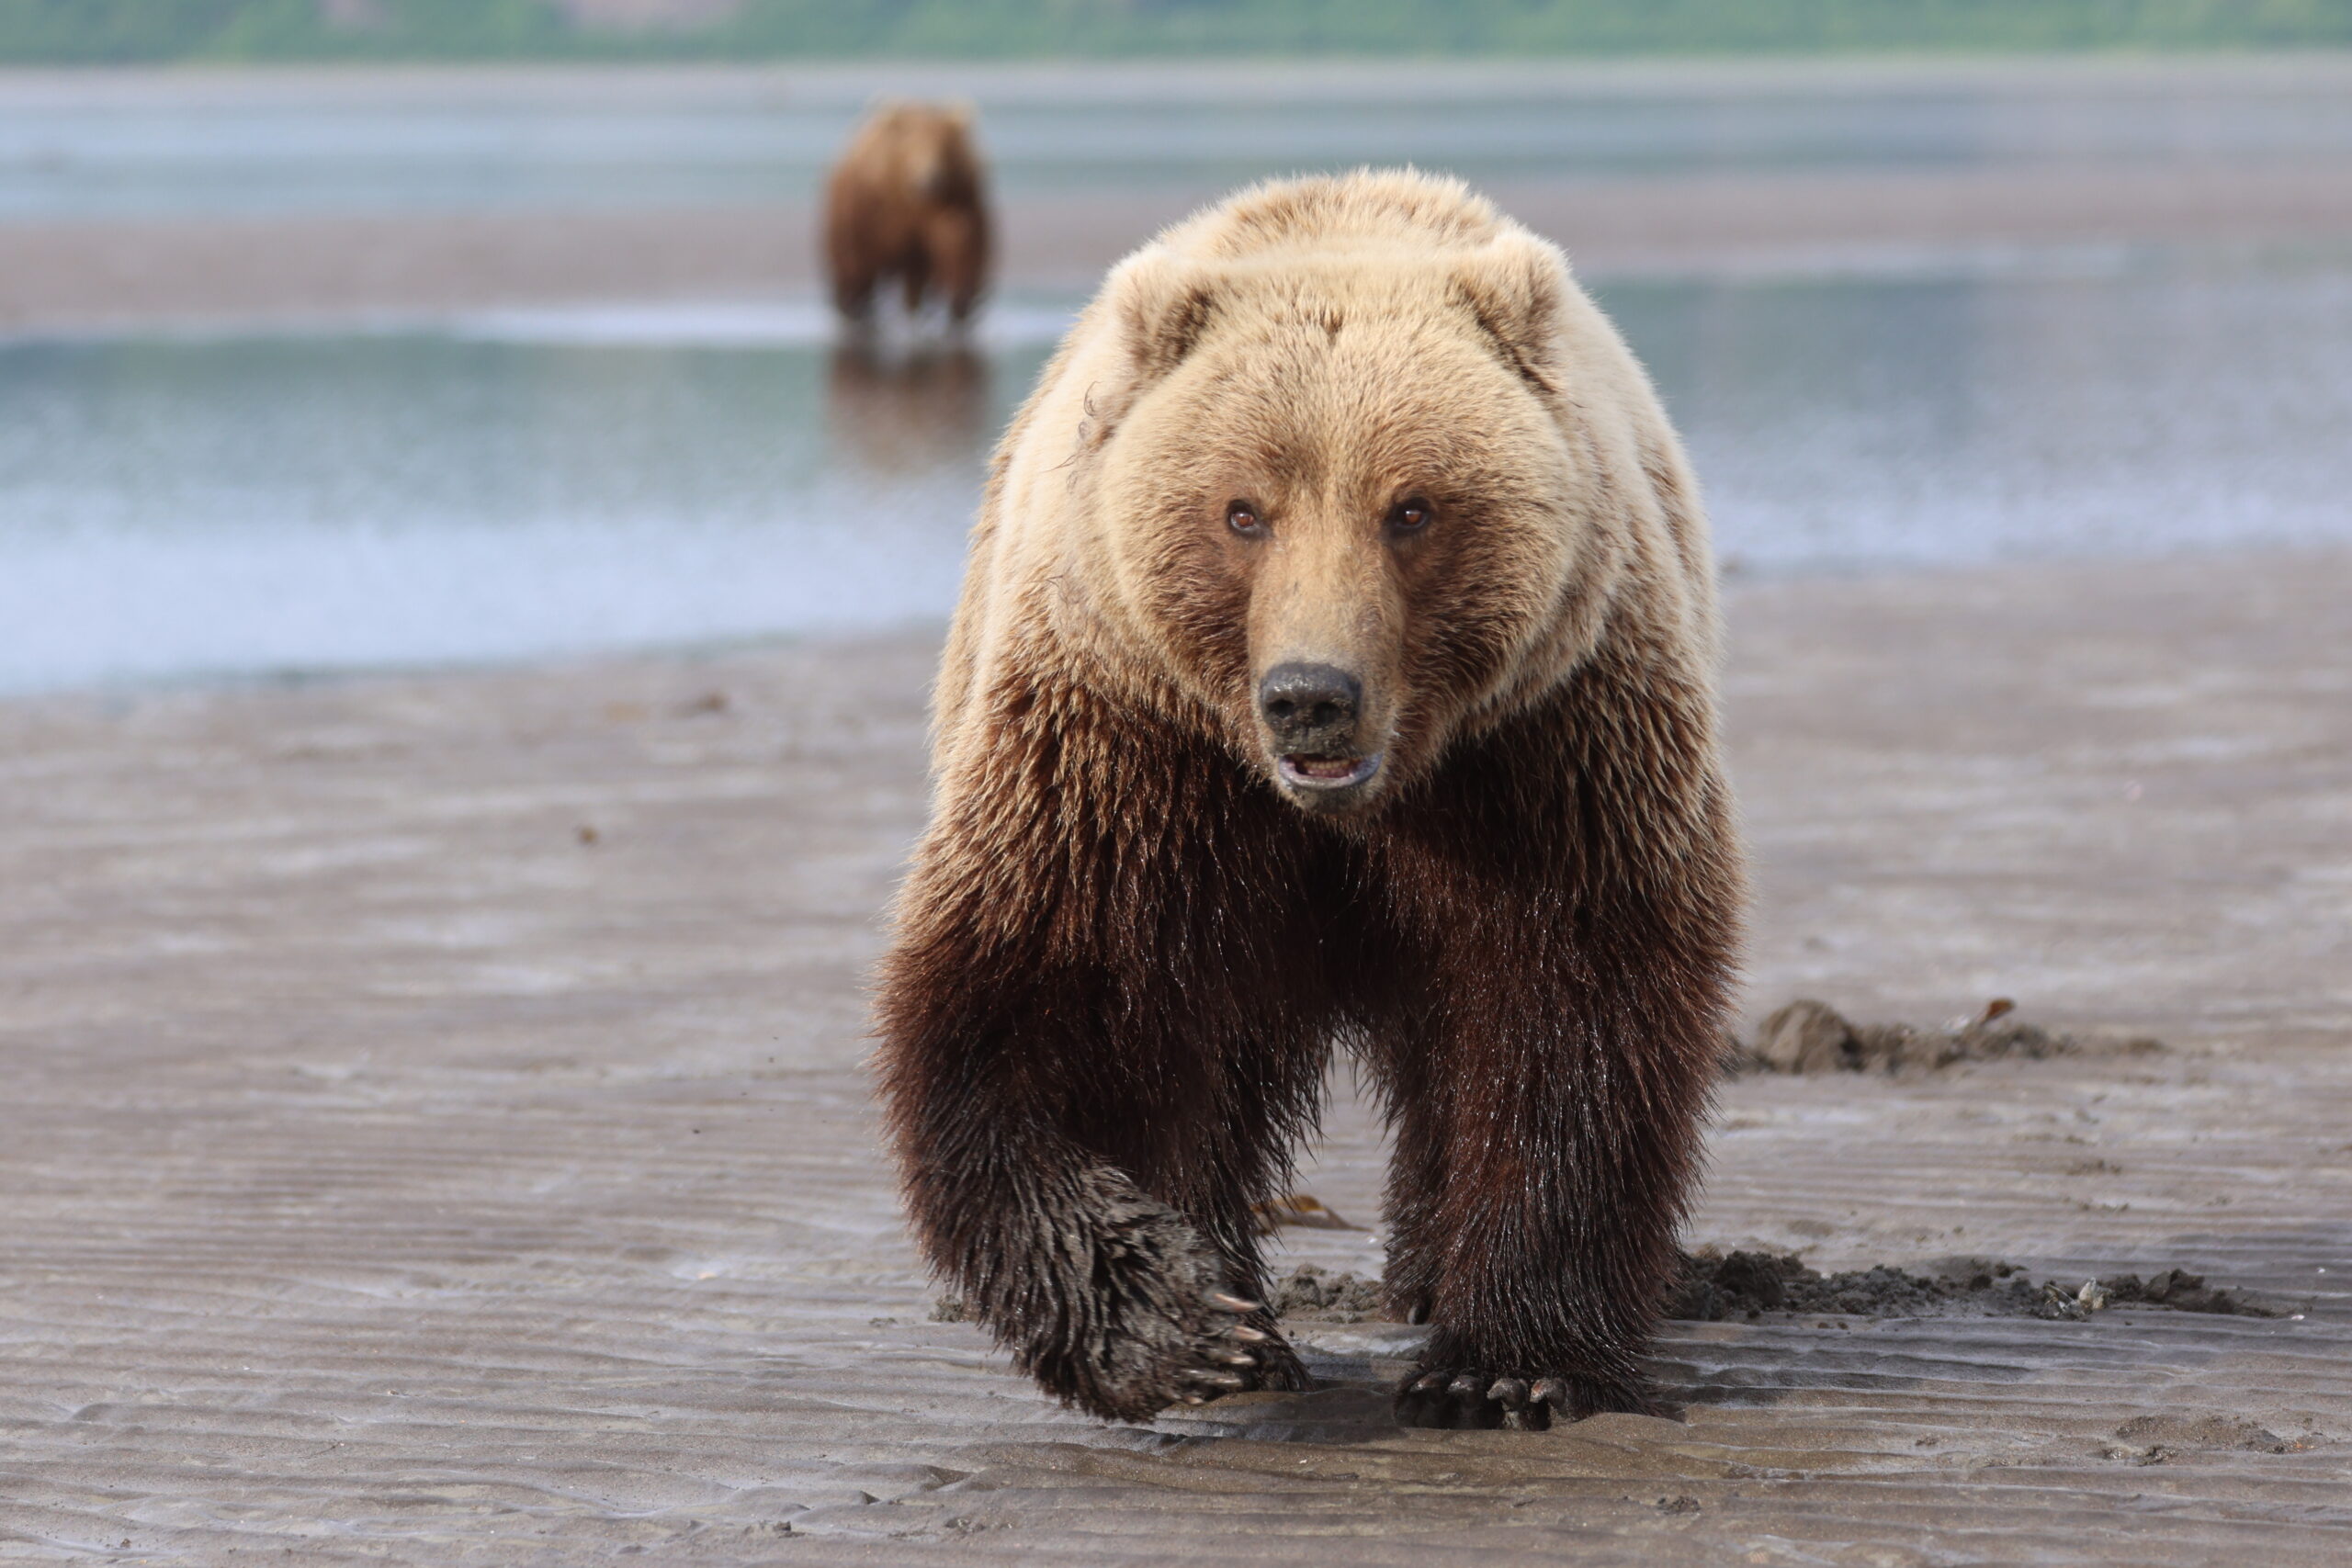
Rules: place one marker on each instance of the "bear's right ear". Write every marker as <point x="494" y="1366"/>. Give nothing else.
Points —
<point x="1164" y="306"/>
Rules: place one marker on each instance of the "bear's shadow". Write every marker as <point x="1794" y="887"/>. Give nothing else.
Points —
<point x="1752" y="1364"/>
<point x="1361" y="1411"/>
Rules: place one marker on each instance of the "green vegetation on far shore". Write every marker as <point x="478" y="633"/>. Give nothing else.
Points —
<point x="159" y="31"/>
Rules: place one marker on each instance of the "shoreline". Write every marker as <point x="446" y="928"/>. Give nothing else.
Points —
<point x="1735" y="581"/>
<point x="324" y="270"/>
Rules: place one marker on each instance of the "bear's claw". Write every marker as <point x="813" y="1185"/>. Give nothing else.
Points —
<point x="1471" y="1400"/>
<point x="1236" y="1365"/>
<point x="1239" y="1357"/>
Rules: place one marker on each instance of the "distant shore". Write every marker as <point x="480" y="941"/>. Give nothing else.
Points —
<point x="129" y="272"/>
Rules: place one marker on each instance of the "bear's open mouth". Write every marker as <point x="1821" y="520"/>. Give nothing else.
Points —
<point x="1328" y="772"/>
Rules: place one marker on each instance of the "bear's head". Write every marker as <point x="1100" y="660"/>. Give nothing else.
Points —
<point x="1358" y="500"/>
<point x="929" y="148"/>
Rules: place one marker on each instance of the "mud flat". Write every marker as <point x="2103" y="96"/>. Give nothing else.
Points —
<point x="431" y="1130"/>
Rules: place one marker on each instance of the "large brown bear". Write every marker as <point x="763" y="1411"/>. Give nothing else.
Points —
<point x="908" y="201"/>
<point x="1334" y="666"/>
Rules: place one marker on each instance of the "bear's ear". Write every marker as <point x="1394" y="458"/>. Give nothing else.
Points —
<point x="1512" y="287"/>
<point x="1164" y="306"/>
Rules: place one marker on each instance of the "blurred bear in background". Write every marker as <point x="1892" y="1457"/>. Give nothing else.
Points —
<point x="908" y="201"/>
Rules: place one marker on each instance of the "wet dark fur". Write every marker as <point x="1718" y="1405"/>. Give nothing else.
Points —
<point x="1122" y="960"/>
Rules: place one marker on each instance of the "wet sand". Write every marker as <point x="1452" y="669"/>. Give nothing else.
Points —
<point x="310" y="269"/>
<point x="432" y="1127"/>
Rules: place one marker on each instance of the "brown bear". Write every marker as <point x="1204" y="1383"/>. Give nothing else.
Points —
<point x="1335" y="667"/>
<point x="908" y="201"/>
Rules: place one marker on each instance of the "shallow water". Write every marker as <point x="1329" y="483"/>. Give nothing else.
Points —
<point x="527" y="483"/>
<point x="248" y="505"/>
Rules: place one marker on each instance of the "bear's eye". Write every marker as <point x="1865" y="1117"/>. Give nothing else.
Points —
<point x="1410" y="515"/>
<point x="1242" y="516"/>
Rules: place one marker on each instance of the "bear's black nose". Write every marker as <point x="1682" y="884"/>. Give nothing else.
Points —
<point x="1310" y="708"/>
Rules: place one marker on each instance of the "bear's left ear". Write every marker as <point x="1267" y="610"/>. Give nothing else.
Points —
<point x="1512" y="287"/>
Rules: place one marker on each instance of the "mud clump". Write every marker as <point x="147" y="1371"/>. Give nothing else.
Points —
<point x="2184" y="1292"/>
<point x="1711" y="1285"/>
<point x="1809" y="1037"/>
<point x="1309" y="1291"/>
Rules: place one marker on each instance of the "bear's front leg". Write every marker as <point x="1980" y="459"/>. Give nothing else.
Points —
<point x="1563" y="1135"/>
<point x="1089" y="1087"/>
<point x="1022" y="1150"/>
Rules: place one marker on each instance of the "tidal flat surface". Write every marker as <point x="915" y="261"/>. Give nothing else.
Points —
<point x="434" y="1131"/>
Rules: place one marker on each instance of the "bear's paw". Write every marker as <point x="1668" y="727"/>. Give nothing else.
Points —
<point x="1474" y="1399"/>
<point x="1149" y="1317"/>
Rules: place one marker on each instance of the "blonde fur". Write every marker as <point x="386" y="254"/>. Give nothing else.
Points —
<point x="1057" y="569"/>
